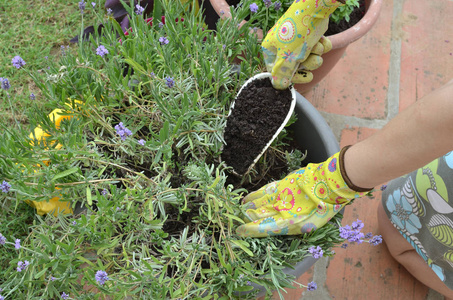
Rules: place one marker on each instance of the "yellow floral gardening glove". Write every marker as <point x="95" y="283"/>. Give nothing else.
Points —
<point x="302" y="201"/>
<point x="296" y="41"/>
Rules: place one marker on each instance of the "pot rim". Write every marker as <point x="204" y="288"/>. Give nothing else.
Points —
<point x="344" y="38"/>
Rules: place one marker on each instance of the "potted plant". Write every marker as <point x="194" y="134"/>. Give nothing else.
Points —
<point x="340" y="41"/>
<point x="140" y="149"/>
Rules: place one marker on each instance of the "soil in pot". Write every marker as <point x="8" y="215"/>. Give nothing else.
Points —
<point x="356" y="15"/>
<point x="259" y="111"/>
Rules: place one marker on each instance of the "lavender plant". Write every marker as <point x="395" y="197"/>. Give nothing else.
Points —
<point x="140" y="151"/>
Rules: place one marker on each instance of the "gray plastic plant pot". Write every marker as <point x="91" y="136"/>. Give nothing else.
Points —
<point x="312" y="133"/>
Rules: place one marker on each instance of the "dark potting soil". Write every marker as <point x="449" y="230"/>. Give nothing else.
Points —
<point x="259" y="111"/>
<point x="356" y="15"/>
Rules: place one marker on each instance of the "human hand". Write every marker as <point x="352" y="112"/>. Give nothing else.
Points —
<point x="296" y="41"/>
<point x="302" y="201"/>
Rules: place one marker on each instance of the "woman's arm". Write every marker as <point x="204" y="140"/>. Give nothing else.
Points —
<point x="416" y="136"/>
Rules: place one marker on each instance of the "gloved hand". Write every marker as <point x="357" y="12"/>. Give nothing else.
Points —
<point x="296" y="41"/>
<point x="303" y="201"/>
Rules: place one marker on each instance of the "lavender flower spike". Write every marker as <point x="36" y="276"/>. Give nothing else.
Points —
<point x="101" y="277"/>
<point x="253" y="7"/>
<point x="139" y="10"/>
<point x="316" y="252"/>
<point x="5" y="187"/>
<point x="101" y="51"/>
<point x="312" y="286"/>
<point x="18" y="62"/>
<point x="5" y="83"/>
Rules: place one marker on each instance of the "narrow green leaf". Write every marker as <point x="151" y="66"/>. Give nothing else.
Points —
<point x="40" y="273"/>
<point x="89" y="200"/>
<point x="243" y="245"/>
<point x="234" y="217"/>
<point x="65" y="173"/>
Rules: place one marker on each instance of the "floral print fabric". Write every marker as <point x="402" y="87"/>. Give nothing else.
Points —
<point x="420" y="206"/>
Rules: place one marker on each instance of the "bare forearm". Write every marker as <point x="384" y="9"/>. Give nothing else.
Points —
<point x="418" y="135"/>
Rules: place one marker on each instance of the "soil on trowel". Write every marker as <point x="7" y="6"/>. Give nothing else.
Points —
<point x="258" y="112"/>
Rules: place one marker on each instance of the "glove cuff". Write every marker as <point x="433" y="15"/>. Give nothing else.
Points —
<point x="345" y="176"/>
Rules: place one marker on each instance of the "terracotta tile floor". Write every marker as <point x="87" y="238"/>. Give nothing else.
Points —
<point x="408" y="53"/>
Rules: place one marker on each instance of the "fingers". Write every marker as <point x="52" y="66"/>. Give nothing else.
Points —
<point x="268" y="189"/>
<point x="302" y="77"/>
<point x="263" y="227"/>
<point x="311" y="63"/>
<point x="318" y="49"/>
<point x="327" y="44"/>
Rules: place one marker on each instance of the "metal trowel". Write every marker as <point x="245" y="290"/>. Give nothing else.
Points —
<point x="250" y="159"/>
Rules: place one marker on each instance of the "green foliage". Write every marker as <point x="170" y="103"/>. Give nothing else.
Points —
<point x="344" y="11"/>
<point x="161" y="213"/>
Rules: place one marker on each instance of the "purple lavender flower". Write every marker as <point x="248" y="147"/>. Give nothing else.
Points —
<point x="93" y="4"/>
<point x="5" y="186"/>
<point x="138" y="9"/>
<point x="152" y="75"/>
<point x="352" y="235"/>
<point x="104" y="192"/>
<point x="356" y="236"/>
<point x="52" y="278"/>
<point x="5" y="83"/>
<point x="74" y="223"/>
<point x="368" y="235"/>
<point x="316" y="252"/>
<point x="249" y="282"/>
<point x="312" y="286"/>
<point x="64" y="296"/>
<point x="267" y="3"/>
<point x="62" y="48"/>
<point x="101" y="277"/>
<point x="118" y="208"/>
<point x="344" y="246"/>
<point x="109" y="11"/>
<point x="253" y="7"/>
<point x="122" y="131"/>
<point x="32" y="96"/>
<point x="169" y="81"/>
<point x="357" y="225"/>
<point x="22" y="265"/>
<point x="141" y="142"/>
<point x="17" y="244"/>
<point x="2" y="239"/>
<point x="163" y="40"/>
<point x="2" y="298"/>
<point x="101" y="51"/>
<point x="82" y="6"/>
<point x="277" y="5"/>
<point x="376" y="240"/>
<point x="18" y="62"/>
<point x="161" y="25"/>
<point x="383" y="187"/>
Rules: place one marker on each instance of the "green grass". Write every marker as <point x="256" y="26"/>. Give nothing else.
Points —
<point x="34" y="30"/>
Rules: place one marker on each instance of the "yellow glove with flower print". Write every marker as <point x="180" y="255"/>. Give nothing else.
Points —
<point x="296" y="41"/>
<point x="303" y="201"/>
